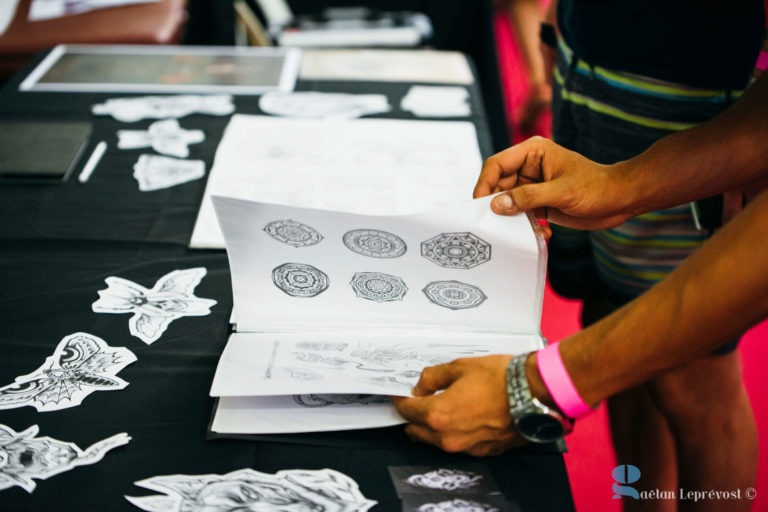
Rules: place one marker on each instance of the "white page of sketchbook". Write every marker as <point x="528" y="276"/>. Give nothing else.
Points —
<point x="285" y="415"/>
<point x="510" y="277"/>
<point x="265" y="364"/>
<point x="371" y="166"/>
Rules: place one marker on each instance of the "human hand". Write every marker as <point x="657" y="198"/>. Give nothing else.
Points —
<point x="470" y="415"/>
<point x="559" y="185"/>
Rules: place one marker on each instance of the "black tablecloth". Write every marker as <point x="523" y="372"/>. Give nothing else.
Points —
<point x="57" y="245"/>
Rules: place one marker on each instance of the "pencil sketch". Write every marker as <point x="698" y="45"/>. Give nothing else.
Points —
<point x="155" y="172"/>
<point x="300" y="280"/>
<point x="378" y="287"/>
<point x="129" y="110"/>
<point x="374" y="243"/>
<point x="247" y="489"/>
<point x="293" y="233"/>
<point x="25" y="457"/>
<point x="444" y="479"/>
<point x="153" y="310"/>
<point x="81" y="364"/>
<point x="458" y="504"/>
<point x="326" y="400"/>
<point x="456" y="250"/>
<point x="454" y="294"/>
<point x="166" y="137"/>
<point x="323" y="105"/>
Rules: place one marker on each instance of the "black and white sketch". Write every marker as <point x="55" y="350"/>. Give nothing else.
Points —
<point x="300" y="280"/>
<point x="454" y="294"/>
<point x="247" y="489"/>
<point x="81" y="364"/>
<point x="457" y="505"/>
<point x="374" y="243"/>
<point x="129" y="110"/>
<point x="153" y="310"/>
<point x="445" y="479"/>
<point x="155" y="172"/>
<point x="166" y="137"/>
<point x="456" y="250"/>
<point x="378" y="287"/>
<point x="323" y="105"/>
<point x="293" y="233"/>
<point x="331" y="399"/>
<point x="25" y="457"/>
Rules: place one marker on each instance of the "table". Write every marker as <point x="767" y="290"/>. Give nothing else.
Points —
<point x="57" y="245"/>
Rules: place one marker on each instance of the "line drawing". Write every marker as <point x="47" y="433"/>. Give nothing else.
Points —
<point x="454" y="294"/>
<point x="300" y="280"/>
<point x="374" y="243"/>
<point x="456" y="250"/>
<point x="378" y="287"/>
<point x="293" y="233"/>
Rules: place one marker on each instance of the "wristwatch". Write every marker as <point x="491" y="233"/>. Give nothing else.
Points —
<point x="533" y="420"/>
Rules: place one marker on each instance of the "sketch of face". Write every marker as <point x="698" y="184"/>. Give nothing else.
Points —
<point x="227" y="496"/>
<point x="445" y="479"/>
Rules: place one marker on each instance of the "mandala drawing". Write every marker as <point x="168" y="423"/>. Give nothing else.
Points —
<point x="326" y="400"/>
<point x="456" y="505"/>
<point x="378" y="287"/>
<point x="293" y="233"/>
<point x="374" y="243"/>
<point x="445" y="480"/>
<point x="24" y="456"/>
<point x="247" y="489"/>
<point x="456" y="250"/>
<point x="300" y="280"/>
<point x="454" y="294"/>
<point x="81" y="364"/>
<point x="153" y="310"/>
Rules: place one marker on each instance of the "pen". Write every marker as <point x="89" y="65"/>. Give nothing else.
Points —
<point x="92" y="162"/>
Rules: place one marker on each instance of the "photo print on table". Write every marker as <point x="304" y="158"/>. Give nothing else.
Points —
<point x="81" y="364"/>
<point x="293" y="233"/>
<point x="129" y="110"/>
<point x="25" y="457"/>
<point x="153" y="310"/>
<point x="374" y="243"/>
<point x="155" y="172"/>
<point x="247" y="489"/>
<point x="166" y="137"/>
<point x="378" y="286"/>
<point x="300" y="280"/>
<point x="454" y="294"/>
<point x="456" y="250"/>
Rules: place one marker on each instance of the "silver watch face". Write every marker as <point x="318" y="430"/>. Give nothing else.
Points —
<point x="540" y="428"/>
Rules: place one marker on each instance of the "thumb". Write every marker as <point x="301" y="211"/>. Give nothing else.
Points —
<point x="526" y="197"/>
<point x="435" y="378"/>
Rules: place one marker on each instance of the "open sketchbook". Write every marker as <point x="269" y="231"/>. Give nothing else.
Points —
<point x="333" y="311"/>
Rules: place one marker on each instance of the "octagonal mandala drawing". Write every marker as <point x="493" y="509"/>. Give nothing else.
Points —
<point x="374" y="243"/>
<point x="378" y="287"/>
<point x="293" y="233"/>
<point x="456" y="250"/>
<point x="454" y="294"/>
<point x="299" y="279"/>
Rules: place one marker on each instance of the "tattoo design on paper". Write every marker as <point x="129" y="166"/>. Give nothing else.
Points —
<point x="81" y="364"/>
<point x="153" y="310"/>
<point x="378" y="287"/>
<point x="327" y="400"/>
<point x="456" y="250"/>
<point x="454" y="294"/>
<point x="300" y="280"/>
<point x="165" y="137"/>
<point x="129" y="110"/>
<point x="154" y="172"/>
<point x="24" y="456"/>
<point x="445" y="480"/>
<point x="247" y="489"/>
<point x="293" y="233"/>
<point x="374" y="243"/>
<point x="323" y="105"/>
<point x="458" y="504"/>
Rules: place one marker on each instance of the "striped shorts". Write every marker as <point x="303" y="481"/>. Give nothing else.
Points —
<point x="610" y="116"/>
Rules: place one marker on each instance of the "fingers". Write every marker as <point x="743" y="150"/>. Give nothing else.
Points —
<point x="435" y="378"/>
<point x="519" y="164"/>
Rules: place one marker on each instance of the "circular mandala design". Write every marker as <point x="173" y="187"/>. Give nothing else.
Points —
<point x="374" y="243"/>
<point x="456" y="250"/>
<point x="293" y="233"/>
<point x="378" y="287"/>
<point x="300" y="280"/>
<point x="454" y="294"/>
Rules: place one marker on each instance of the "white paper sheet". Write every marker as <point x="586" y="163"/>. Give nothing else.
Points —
<point x="371" y="166"/>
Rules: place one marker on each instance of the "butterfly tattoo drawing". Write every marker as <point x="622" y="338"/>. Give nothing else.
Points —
<point x="81" y="364"/>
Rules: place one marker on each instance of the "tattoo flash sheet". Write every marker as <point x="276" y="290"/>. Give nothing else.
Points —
<point x="81" y="364"/>
<point x="247" y="489"/>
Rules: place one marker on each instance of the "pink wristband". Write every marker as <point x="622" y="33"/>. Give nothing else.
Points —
<point x="762" y="61"/>
<point x="559" y="383"/>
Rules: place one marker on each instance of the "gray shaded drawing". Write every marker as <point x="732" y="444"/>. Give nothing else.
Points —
<point x="374" y="243"/>
<point x="155" y="172"/>
<point x="458" y="505"/>
<point x="454" y="294"/>
<point x="166" y="137"/>
<point x="445" y="480"/>
<point x="326" y="400"/>
<point x="130" y="110"/>
<point x="81" y="364"/>
<point x="456" y="250"/>
<point x="25" y="457"/>
<point x="378" y="287"/>
<point x="300" y="280"/>
<point x="293" y="233"/>
<point x="153" y="310"/>
<point x="250" y="490"/>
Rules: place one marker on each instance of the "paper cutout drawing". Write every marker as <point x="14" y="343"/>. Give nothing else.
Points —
<point x="129" y="110"/>
<point x="153" y="310"/>
<point x="154" y="172"/>
<point x="166" y="137"/>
